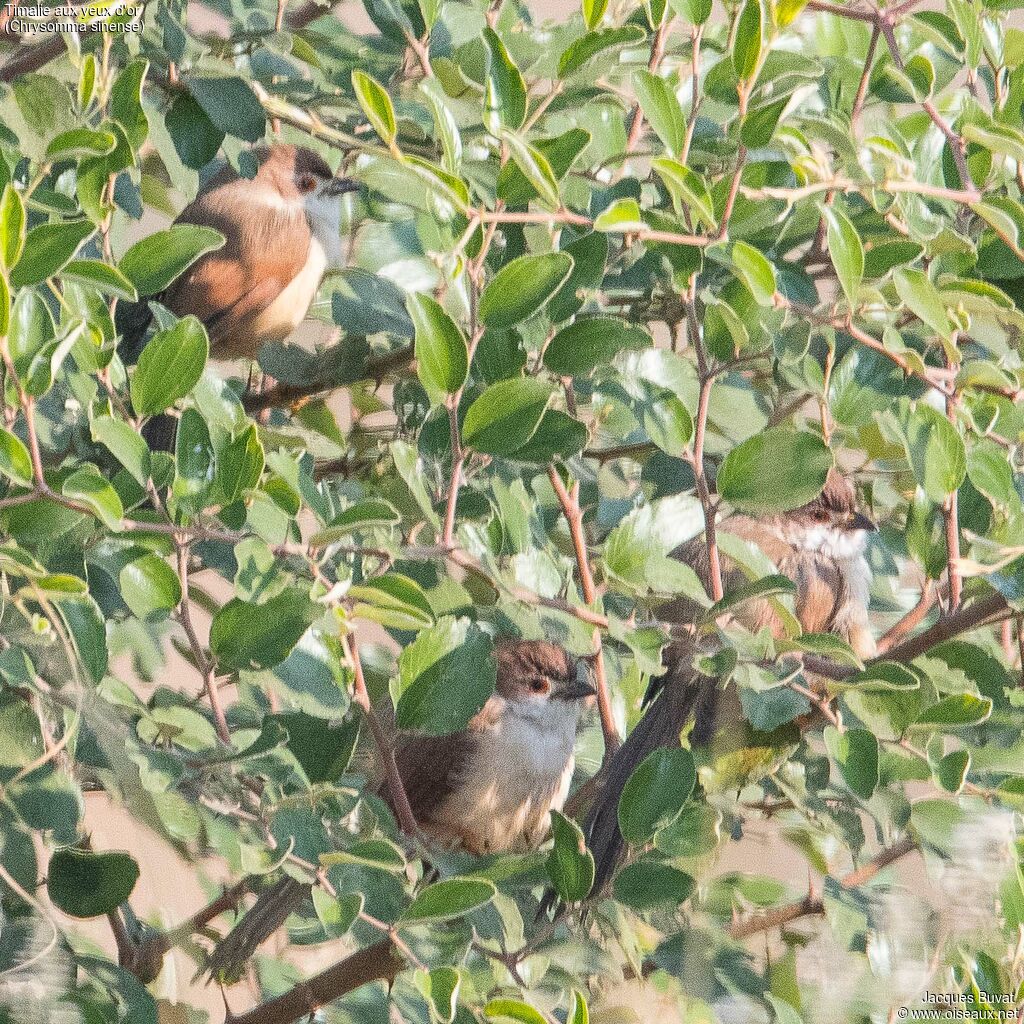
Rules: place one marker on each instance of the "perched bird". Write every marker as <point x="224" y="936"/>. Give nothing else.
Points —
<point x="486" y="789"/>
<point x="282" y="231"/>
<point x="820" y="546"/>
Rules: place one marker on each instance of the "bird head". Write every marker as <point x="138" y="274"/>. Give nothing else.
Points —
<point x="830" y="524"/>
<point x="541" y="681"/>
<point x="303" y="179"/>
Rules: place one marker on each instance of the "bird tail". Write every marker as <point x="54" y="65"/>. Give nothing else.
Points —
<point x="132" y="322"/>
<point x="680" y="698"/>
<point x="228" y="959"/>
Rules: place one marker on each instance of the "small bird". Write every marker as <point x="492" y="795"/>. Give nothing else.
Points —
<point x="820" y="546"/>
<point x="282" y="231"/>
<point x="489" y="788"/>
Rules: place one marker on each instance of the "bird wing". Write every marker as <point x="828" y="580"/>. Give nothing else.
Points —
<point x="431" y="767"/>
<point x="228" y="289"/>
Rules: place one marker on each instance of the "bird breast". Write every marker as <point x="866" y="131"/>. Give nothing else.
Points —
<point x="519" y="771"/>
<point x="289" y="309"/>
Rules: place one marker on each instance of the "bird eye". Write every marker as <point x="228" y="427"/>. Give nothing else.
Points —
<point x="307" y="183"/>
<point x="821" y="515"/>
<point x="539" y="685"/>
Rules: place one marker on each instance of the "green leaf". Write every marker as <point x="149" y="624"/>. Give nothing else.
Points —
<point x="448" y="899"/>
<point x="881" y="258"/>
<point x="934" y="448"/>
<point x="558" y="435"/>
<point x="371" y="513"/>
<point x="126" y="103"/>
<point x="646" y="883"/>
<point x="196" y="138"/>
<point x="231" y="106"/>
<point x="655" y="793"/>
<point x="922" y="298"/>
<point x="580" y="51"/>
<point x="445" y="676"/>
<point x="749" y="38"/>
<point x="79" y="142"/>
<point x="48" y="248"/>
<point x="195" y="462"/>
<point x="580" y="1013"/>
<point x="152" y="264"/>
<point x="534" y="167"/>
<point x="661" y="108"/>
<point x="393" y="600"/>
<point x="954" y="712"/>
<point x="621" y="217"/>
<point x="694" y="12"/>
<point x="14" y="459"/>
<point x="442" y="355"/>
<point x="12" y="226"/>
<point x="86" y="486"/>
<point x="688" y="190"/>
<point x="169" y="367"/>
<point x="760" y="123"/>
<point x="150" y="588"/>
<point x="589" y="255"/>
<point x="775" y="470"/>
<point x="86" y="884"/>
<point x="441" y="988"/>
<point x="846" y="250"/>
<point x="376" y="104"/>
<point x="504" y="88"/>
<point x="951" y="771"/>
<point x="593" y="12"/>
<point x="990" y="472"/>
<point x="522" y="288"/>
<point x="247" y="635"/>
<point x="513" y="1010"/>
<point x="570" y="864"/>
<point x="590" y="342"/>
<point x="101" y="276"/>
<point x="756" y="271"/>
<point x="855" y="751"/>
<point x="504" y="418"/>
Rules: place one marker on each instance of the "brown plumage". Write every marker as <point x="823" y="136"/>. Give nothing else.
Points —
<point x="485" y="789"/>
<point x="819" y="546"/>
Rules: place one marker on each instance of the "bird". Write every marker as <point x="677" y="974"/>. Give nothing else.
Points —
<point x="282" y="232"/>
<point x="821" y="547"/>
<point x="488" y="788"/>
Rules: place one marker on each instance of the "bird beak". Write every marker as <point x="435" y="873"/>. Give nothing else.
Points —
<point x="580" y="687"/>
<point x="339" y="186"/>
<point x="859" y="521"/>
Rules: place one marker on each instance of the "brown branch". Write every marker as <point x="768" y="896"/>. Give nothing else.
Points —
<point x="707" y="380"/>
<point x="379" y="962"/>
<point x="203" y="664"/>
<point x="885" y="20"/>
<point x="812" y="905"/>
<point x="696" y="33"/>
<point x="862" y="88"/>
<point x="570" y="502"/>
<point x="984" y="610"/>
<point x="840" y="12"/>
<point x="657" y="54"/>
<point x="905" y="626"/>
<point x="385" y="750"/>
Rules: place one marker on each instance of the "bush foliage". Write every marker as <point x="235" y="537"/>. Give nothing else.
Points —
<point x="654" y="266"/>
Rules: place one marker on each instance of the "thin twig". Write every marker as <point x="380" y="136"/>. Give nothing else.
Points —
<point x="385" y="751"/>
<point x="812" y="905"/>
<point x="570" y="502"/>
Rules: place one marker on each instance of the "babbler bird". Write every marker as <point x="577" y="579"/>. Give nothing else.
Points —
<point x="489" y="788"/>
<point x="820" y="547"/>
<point x="282" y="231"/>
